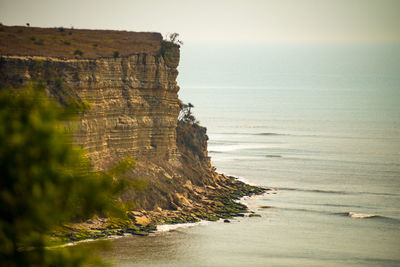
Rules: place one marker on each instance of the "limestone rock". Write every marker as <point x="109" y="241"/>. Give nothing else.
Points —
<point x="134" y="109"/>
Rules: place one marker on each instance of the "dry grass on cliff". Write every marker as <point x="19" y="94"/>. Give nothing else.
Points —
<point x="66" y="43"/>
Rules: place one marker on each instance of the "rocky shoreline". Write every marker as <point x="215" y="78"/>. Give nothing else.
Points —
<point x="218" y="204"/>
<point x="133" y="111"/>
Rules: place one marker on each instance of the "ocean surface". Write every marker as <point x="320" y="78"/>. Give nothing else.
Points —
<point x="320" y="124"/>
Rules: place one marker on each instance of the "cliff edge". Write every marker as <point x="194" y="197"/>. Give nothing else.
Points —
<point x="134" y="109"/>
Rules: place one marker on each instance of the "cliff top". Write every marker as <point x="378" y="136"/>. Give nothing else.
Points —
<point x="75" y="43"/>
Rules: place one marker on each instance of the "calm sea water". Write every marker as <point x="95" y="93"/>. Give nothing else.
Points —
<point x="320" y="125"/>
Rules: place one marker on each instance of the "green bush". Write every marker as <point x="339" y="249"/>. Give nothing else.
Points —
<point x="116" y="54"/>
<point x="67" y="42"/>
<point x="170" y="53"/>
<point x="45" y="180"/>
<point x="78" y="52"/>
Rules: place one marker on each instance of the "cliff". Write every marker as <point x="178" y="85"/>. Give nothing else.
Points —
<point x="134" y="109"/>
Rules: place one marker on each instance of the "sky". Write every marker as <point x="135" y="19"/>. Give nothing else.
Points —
<point x="219" y="21"/>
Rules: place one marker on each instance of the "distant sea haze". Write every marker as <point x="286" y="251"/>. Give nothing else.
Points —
<point x="320" y="125"/>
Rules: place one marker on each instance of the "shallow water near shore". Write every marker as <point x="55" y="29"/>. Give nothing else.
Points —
<point x="321" y="126"/>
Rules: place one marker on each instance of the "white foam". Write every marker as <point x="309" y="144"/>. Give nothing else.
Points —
<point x="225" y="148"/>
<point x="236" y="147"/>
<point x="88" y="240"/>
<point x="361" y="215"/>
<point x="170" y="227"/>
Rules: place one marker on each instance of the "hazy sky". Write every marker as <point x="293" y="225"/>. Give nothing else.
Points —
<point x="245" y="21"/>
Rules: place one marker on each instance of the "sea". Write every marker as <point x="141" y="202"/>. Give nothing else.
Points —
<point x="319" y="124"/>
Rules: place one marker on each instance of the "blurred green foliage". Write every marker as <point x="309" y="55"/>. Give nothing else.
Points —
<point x="45" y="180"/>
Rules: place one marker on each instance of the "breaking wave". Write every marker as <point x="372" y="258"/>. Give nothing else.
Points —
<point x="172" y="227"/>
<point x="361" y="215"/>
<point x="333" y="191"/>
<point x="351" y="214"/>
<point x="358" y="215"/>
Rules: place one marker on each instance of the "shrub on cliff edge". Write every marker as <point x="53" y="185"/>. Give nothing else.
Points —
<point x="170" y="49"/>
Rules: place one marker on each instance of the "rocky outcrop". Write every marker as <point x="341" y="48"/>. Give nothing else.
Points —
<point x="134" y="109"/>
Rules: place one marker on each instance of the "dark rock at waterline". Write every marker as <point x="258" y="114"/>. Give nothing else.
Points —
<point x="141" y="233"/>
<point x="220" y="204"/>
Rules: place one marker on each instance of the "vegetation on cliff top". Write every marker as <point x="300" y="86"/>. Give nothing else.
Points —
<point x="63" y="42"/>
<point x="46" y="181"/>
<point x="170" y="49"/>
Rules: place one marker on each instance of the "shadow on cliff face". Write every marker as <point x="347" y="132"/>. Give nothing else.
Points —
<point x="192" y="140"/>
<point x="171" y="182"/>
<point x="170" y="53"/>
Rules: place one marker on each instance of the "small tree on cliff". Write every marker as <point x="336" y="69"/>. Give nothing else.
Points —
<point x="189" y="132"/>
<point x="186" y="115"/>
<point x="45" y="181"/>
<point x="173" y="38"/>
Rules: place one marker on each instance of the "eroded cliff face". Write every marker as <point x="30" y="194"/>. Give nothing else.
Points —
<point x="133" y="112"/>
<point x="134" y="109"/>
<point x="133" y="102"/>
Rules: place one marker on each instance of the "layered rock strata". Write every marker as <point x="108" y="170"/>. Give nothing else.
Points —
<point x="134" y="109"/>
<point x="133" y="102"/>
